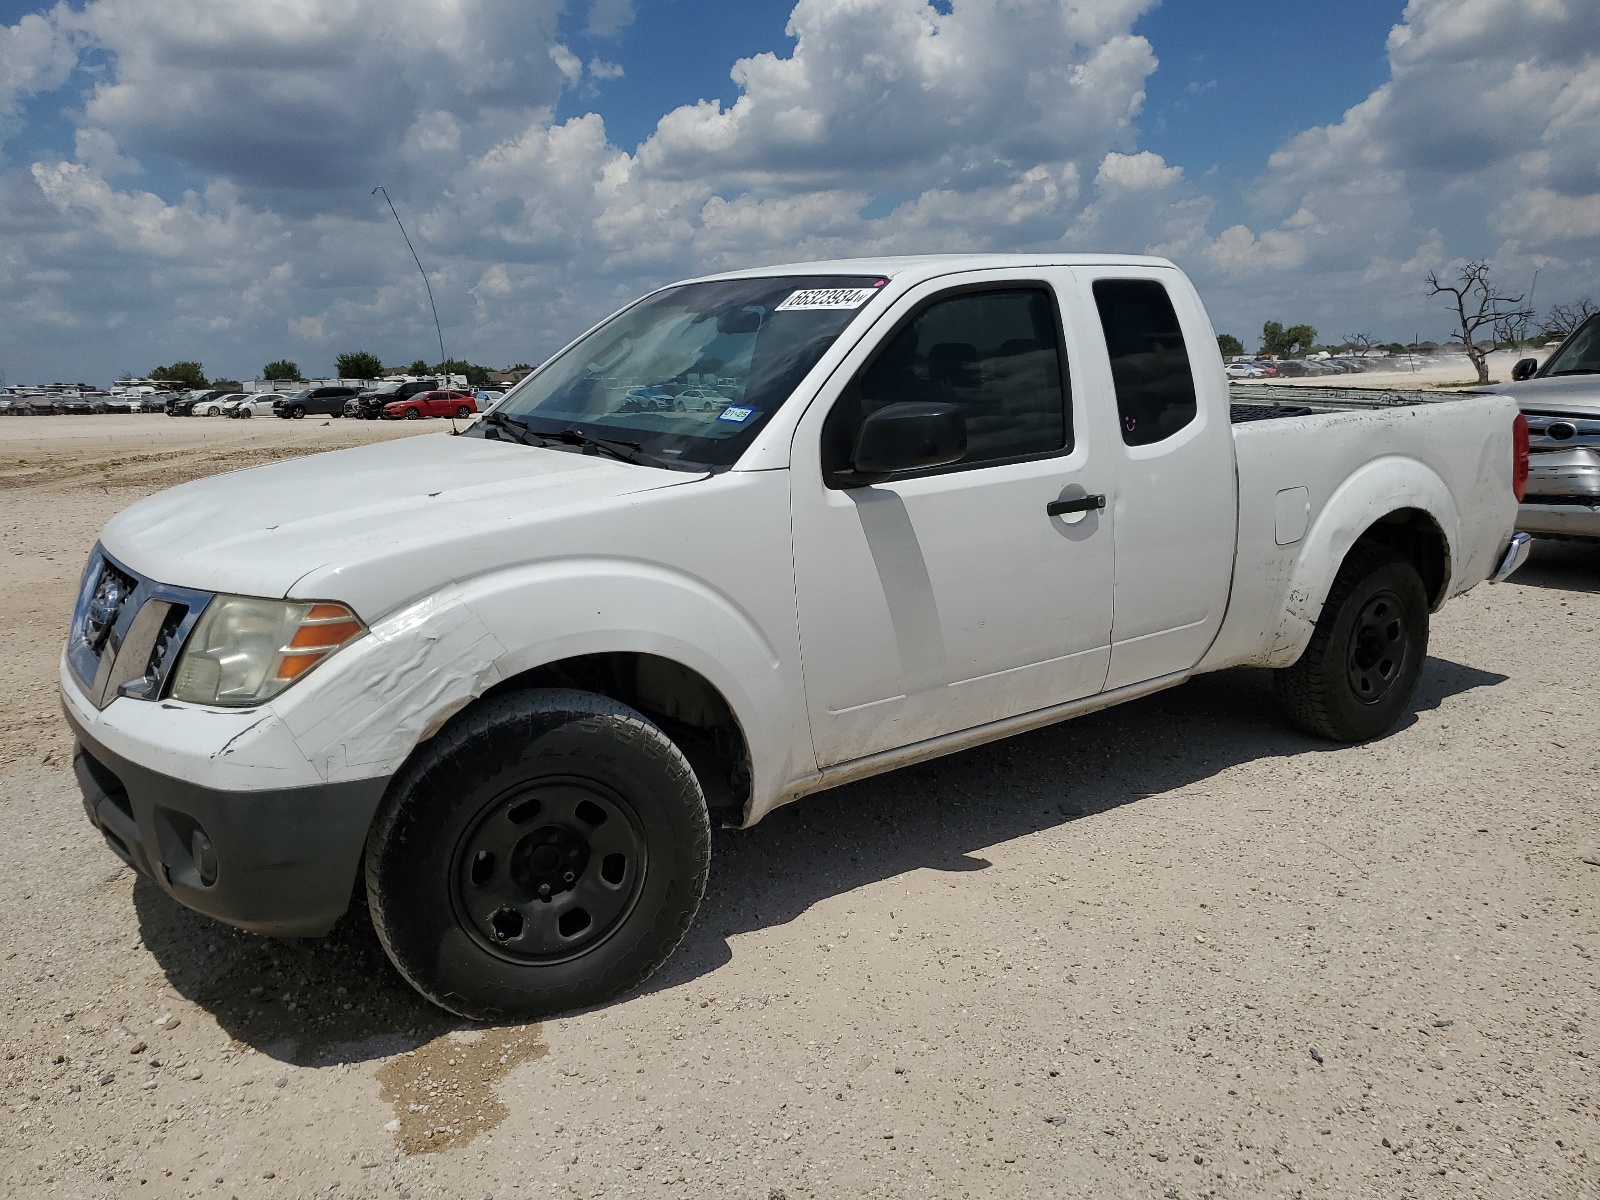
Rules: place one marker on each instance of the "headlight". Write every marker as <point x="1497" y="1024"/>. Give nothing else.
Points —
<point x="244" y="651"/>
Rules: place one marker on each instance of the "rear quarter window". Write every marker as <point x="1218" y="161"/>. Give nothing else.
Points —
<point x="1149" y="360"/>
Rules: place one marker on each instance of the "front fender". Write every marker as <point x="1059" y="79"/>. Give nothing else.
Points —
<point x="1367" y="495"/>
<point x="364" y="711"/>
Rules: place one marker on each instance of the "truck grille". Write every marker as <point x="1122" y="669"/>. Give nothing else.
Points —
<point x="127" y="631"/>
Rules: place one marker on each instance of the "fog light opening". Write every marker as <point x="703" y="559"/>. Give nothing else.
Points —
<point x="204" y="856"/>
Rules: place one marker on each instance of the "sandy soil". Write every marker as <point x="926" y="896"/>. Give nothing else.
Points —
<point x="1450" y="371"/>
<point x="1171" y="950"/>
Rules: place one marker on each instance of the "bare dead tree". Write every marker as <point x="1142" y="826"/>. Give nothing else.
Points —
<point x="1564" y="318"/>
<point x="1478" y="307"/>
<point x="1359" y="341"/>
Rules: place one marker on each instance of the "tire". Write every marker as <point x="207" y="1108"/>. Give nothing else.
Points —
<point x="413" y="415"/>
<point x="463" y="412"/>
<point x="298" y="411"/>
<point x="213" y="411"/>
<point x="608" y="791"/>
<point x="1360" y="670"/>
<point x="246" y="414"/>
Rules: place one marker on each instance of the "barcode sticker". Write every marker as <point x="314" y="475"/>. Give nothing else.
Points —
<point x="827" y="298"/>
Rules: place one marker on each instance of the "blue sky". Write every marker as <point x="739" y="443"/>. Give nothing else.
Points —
<point x="192" y="178"/>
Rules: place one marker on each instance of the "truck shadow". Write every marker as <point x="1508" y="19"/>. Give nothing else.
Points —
<point x="337" y="999"/>
<point x="1562" y="566"/>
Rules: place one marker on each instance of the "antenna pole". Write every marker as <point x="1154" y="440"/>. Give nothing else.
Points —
<point x="437" y="328"/>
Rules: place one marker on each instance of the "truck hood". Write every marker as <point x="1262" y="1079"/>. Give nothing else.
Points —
<point x="1566" y="395"/>
<point x="258" y="531"/>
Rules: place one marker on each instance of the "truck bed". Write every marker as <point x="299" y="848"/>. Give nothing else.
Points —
<point x="1316" y="465"/>
<point x="1267" y="401"/>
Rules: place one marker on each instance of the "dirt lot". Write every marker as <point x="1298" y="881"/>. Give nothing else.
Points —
<point x="1171" y="950"/>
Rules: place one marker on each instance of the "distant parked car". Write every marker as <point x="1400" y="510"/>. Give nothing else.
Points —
<point x="184" y="404"/>
<point x="153" y="402"/>
<point x="217" y="405"/>
<point x="317" y="401"/>
<point x="431" y="404"/>
<point x="369" y="405"/>
<point x="254" y="404"/>
<point x="703" y="399"/>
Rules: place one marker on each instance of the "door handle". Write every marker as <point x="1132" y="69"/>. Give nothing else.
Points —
<point x="1077" y="504"/>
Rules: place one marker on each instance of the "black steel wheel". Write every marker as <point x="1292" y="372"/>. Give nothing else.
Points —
<point x="551" y="870"/>
<point x="545" y="851"/>
<point x="1360" y="669"/>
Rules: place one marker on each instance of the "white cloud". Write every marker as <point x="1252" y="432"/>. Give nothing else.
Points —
<point x="892" y="127"/>
<point x="1136" y="172"/>
<point x="1481" y="145"/>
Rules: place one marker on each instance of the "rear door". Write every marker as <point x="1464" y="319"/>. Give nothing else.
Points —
<point x="1176" y="506"/>
<point x="946" y="599"/>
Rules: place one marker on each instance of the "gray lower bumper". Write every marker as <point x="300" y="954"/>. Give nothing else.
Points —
<point x="1560" y="520"/>
<point x="280" y="862"/>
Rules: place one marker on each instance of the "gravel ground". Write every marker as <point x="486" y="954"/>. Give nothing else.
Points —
<point x="1170" y="950"/>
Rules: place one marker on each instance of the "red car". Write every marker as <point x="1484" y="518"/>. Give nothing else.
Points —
<point x="431" y="404"/>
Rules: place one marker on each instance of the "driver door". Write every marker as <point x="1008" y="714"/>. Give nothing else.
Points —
<point x="946" y="599"/>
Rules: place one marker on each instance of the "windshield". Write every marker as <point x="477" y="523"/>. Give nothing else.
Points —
<point x="1579" y="354"/>
<point x="692" y="373"/>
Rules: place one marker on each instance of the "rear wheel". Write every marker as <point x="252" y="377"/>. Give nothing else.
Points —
<point x="544" y="852"/>
<point x="1360" y="669"/>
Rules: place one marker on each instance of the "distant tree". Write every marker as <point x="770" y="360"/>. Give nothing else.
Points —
<point x="419" y="368"/>
<point x="233" y="385"/>
<point x="1286" y="343"/>
<point x="1229" y="345"/>
<point x="282" y="369"/>
<point x="1478" y="307"/>
<point x="476" y="376"/>
<point x="188" y="373"/>
<point x="520" y="367"/>
<point x="1564" y="318"/>
<point x="1396" y="348"/>
<point x="359" y="365"/>
<point x="1359" y="341"/>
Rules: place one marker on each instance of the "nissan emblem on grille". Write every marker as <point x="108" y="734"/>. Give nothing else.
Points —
<point x="110" y="593"/>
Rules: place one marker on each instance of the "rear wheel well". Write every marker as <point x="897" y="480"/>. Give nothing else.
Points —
<point x="686" y="705"/>
<point x="1417" y="538"/>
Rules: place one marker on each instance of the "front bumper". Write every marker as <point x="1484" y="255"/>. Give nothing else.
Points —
<point x="281" y="861"/>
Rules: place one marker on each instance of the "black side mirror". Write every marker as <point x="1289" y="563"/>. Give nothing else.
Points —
<point x="906" y="437"/>
<point x="1524" y="369"/>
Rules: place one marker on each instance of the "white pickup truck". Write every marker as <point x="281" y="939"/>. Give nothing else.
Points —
<point x="509" y="678"/>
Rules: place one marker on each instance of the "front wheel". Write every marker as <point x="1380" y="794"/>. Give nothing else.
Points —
<point x="246" y="414"/>
<point x="1360" y="669"/>
<point x="463" y="412"/>
<point x="413" y="415"/>
<point x="546" y="851"/>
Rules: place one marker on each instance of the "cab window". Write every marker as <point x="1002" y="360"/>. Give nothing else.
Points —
<point x="1149" y="361"/>
<point x="995" y="354"/>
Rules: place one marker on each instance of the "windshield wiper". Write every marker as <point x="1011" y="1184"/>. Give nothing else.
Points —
<point x="628" y="452"/>
<point x="518" y="432"/>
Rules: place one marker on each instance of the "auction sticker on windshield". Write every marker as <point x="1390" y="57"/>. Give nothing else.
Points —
<point x="737" y="415"/>
<point x="827" y="298"/>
